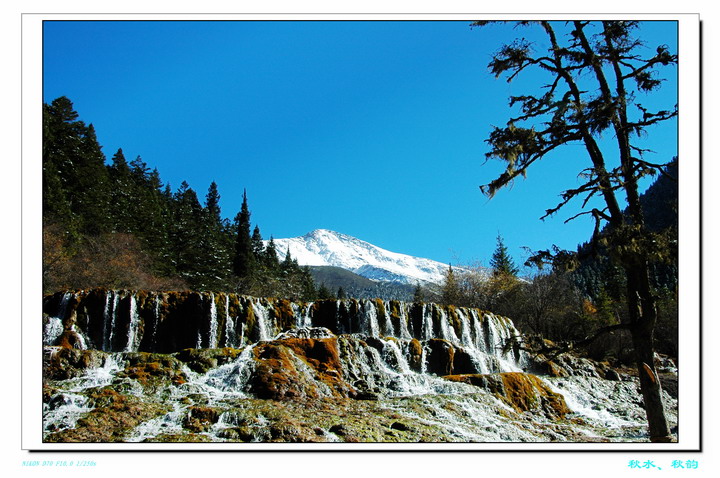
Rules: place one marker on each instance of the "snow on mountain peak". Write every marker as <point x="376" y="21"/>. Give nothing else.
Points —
<point x="323" y="247"/>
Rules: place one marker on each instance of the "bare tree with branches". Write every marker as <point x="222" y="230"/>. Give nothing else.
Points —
<point x="597" y="73"/>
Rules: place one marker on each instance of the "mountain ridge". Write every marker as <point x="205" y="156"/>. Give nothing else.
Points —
<point x="323" y="247"/>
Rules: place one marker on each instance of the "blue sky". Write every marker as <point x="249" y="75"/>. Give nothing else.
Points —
<point x="373" y="129"/>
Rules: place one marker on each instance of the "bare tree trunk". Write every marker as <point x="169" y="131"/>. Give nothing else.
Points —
<point x="643" y="315"/>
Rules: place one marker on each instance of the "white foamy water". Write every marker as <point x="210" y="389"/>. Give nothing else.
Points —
<point x="226" y="381"/>
<point x="133" y="338"/>
<point x="213" y="342"/>
<point x="63" y="411"/>
<point x="52" y="331"/>
<point x="368" y="320"/>
<point x="112" y="299"/>
<point x="65" y="408"/>
<point x="54" y="326"/>
<point x="262" y="317"/>
<point x="606" y="404"/>
<point x="169" y="423"/>
<point x="469" y="417"/>
<point x="388" y="372"/>
<point x="230" y="333"/>
<point x="97" y="377"/>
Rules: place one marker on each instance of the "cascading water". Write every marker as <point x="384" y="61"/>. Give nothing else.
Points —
<point x="306" y="318"/>
<point x="133" y="336"/>
<point x="369" y="323"/>
<point x="53" y="327"/>
<point x="397" y="354"/>
<point x="111" y="305"/>
<point x="427" y="324"/>
<point x="124" y="328"/>
<point x="403" y="331"/>
<point x="446" y="330"/>
<point x="63" y="411"/>
<point x="52" y="331"/>
<point x="213" y="322"/>
<point x="156" y="319"/>
<point x="230" y="379"/>
<point x="230" y="339"/>
<point x="262" y="316"/>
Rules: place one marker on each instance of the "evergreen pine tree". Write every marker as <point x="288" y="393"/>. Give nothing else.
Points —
<point x="56" y="205"/>
<point x="288" y="266"/>
<point x="501" y="261"/>
<point x="257" y="244"/>
<point x="122" y="193"/>
<point x="270" y="257"/>
<point x="186" y="235"/>
<point x="309" y="290"/>
<point x="145" y="208"/>
<point x="212" y="204"/>
<point x="139" y="170"/>
<point x="243" y="258"/>
<point x="214" y="257"/>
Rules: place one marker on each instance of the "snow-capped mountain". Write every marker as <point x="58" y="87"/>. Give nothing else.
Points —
<point x="328" y="248"/>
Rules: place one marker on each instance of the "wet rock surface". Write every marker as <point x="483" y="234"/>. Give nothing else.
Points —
<point x="524" y="392"/>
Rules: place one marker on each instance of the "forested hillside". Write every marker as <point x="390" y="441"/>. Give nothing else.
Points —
<point x="116" y="224"/>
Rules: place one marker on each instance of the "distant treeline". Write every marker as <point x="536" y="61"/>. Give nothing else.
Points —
<point x="117" y="225"/>
<point x="596" y="271"/>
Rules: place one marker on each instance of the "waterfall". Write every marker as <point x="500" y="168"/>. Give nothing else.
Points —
<point x="306" y="319"/>
<point x="432" y="365"/>
<point x="230" y="379"/>
<point x="62" y="308"/>
<point x="262" y="317"/>
<point x="54" y="327"/>
<point x="83" y="341"/>
<point x="427" y="325"/>
<point x="369" y="323"/>
<point x="153" y="336"/>
<point x="107" y="321"/>
<point x="465" y="329"/>
<point x="387" y="324"/>
<point x="213" y="322"/>
<point x="340" y="326"/>
<point x="133" y="338"/>
<point x="393" y="354"/>
<point x="447" y="331"/>
<point x="483" y="336"/>
<point x="404" y="333"/>
<point x="52" y="331"/>
<point x="229" y="325"/>
<point x="477" y="329"/>
<point x="111" y="304"/>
